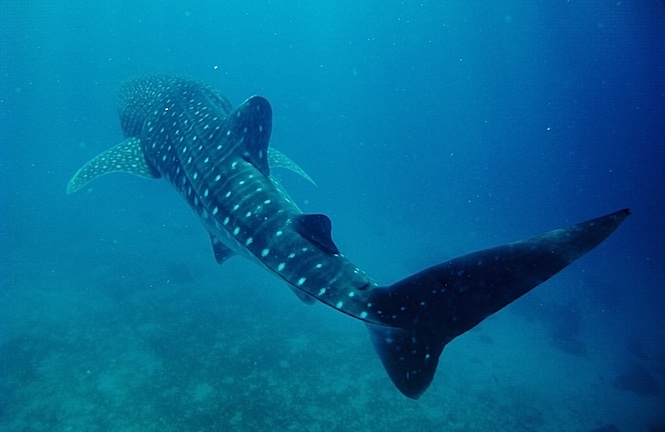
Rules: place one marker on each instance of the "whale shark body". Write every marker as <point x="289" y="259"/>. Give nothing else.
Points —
<point x="219" y="160"/>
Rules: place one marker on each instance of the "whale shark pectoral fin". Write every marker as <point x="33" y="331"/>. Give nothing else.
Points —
<point x="277" y="159"/>
<point x="317" y="229"/>
<point x="221" y="251"/>
<point x="124" y="157"/>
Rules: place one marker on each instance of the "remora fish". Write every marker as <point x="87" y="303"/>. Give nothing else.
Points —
<point x="219" y="161"/>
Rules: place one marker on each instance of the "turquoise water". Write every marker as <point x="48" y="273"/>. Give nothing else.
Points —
<point x="432" y="130"/>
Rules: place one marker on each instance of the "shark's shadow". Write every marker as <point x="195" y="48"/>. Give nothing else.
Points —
<point x="643" y="370"/>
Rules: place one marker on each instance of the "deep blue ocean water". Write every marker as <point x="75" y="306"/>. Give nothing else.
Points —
<point x="432" y="129"/>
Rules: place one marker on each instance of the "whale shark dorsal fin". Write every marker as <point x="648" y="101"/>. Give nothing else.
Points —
<point x="124" y="157"/>
<point x="252" y="123"/>
<point x="317" y="229"/>
<point x="277" y="159"/>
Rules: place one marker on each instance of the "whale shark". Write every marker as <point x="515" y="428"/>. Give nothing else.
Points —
<point x="219" y="160"/>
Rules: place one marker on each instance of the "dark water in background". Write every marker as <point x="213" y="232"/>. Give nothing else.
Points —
<point x="432" y="129"/>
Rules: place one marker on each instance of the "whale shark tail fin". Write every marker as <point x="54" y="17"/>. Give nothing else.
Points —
<point x="436" y="305"/>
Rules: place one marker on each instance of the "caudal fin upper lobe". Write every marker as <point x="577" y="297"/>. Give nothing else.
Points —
<point x="425" y="311"/>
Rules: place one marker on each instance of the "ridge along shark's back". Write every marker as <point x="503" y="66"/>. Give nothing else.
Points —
<point x="219" y="160"/>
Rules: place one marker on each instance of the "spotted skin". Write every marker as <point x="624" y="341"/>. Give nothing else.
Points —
<point x="219" y="160"/>
<point x="116" y="159"/>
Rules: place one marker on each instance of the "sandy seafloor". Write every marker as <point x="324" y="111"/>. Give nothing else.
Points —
<point x="147" y="341"/>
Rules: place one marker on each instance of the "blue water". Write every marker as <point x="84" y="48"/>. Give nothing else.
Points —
<point x="432" y="129"/>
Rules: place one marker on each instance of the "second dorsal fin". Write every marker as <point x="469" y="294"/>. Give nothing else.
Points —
<point x="317" y="229"/>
